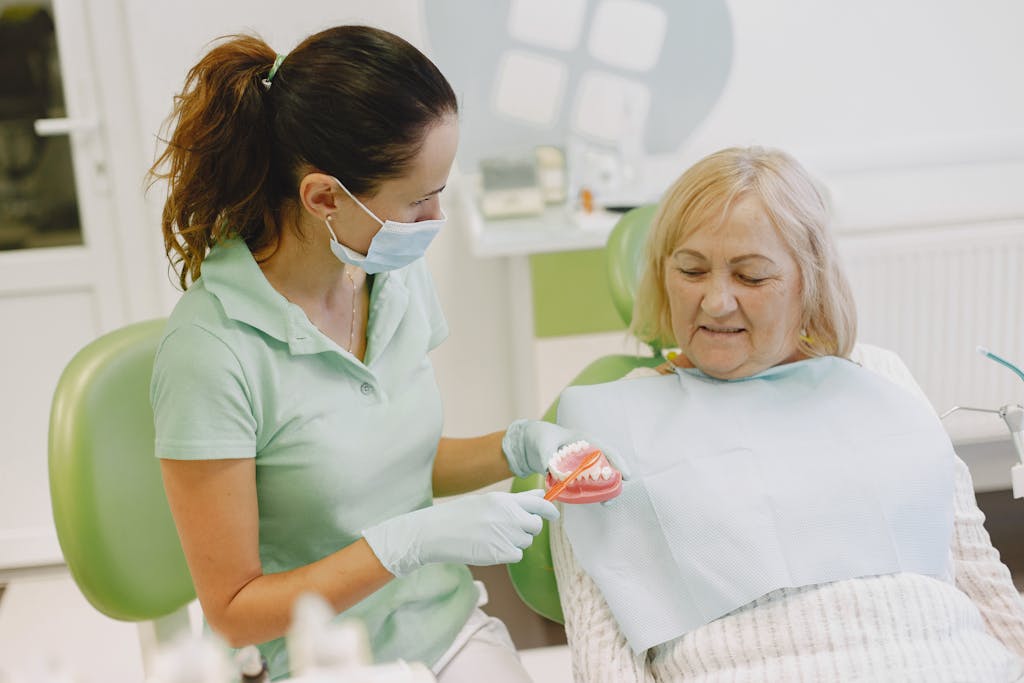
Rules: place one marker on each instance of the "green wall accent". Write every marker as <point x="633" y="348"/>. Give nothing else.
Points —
<point x="571" y="295"/>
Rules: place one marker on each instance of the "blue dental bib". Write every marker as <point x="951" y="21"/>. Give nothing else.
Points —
<point x="807" y="473"/>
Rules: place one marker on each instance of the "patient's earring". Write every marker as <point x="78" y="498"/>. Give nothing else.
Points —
<point x="803" y="336"/>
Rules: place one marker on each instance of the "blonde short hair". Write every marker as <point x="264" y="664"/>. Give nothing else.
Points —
<point x="704" y="195"/>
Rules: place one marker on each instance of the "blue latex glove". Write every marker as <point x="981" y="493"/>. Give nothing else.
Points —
<point x="529" y="445"/>
<point x="483" y="529"/>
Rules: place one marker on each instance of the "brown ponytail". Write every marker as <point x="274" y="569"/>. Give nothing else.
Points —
<point x="351" y="101"/>
<point x="217" y="158"/>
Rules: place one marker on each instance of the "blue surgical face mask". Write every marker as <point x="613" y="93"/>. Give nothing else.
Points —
<point x="395" y="245"/>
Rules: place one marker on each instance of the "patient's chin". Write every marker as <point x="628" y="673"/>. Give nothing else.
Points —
<point x="596" y="484"/>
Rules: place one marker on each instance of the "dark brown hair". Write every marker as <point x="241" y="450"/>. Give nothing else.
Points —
<point x="351" y="101"/>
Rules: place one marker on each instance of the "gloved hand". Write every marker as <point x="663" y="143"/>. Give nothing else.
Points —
<point x="483" y="529"/>
<point x="529" y="445"/>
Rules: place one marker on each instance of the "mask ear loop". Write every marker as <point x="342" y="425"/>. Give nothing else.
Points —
<point x="327" y="221"/>
<point x="362" y="206"/>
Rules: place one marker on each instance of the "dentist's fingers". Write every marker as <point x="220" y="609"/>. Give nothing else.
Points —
<point x="533" y="502"/>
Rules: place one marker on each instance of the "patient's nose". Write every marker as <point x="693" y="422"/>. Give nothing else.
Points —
<point x="719" y="299"/>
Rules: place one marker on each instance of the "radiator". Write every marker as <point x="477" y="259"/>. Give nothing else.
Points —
<point x="933" y="294"/>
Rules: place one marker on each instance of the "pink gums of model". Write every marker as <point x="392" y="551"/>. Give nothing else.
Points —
<point x="599" y="482"/>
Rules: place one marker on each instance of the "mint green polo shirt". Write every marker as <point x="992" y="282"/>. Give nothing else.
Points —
<point x="339" y="444"/>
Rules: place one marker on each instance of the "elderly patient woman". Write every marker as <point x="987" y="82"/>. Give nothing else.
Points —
<point x="793" y="512"/>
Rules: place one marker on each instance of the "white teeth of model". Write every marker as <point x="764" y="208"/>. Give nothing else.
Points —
<point x="606" y="472"/>
<point x="572" y="448"/>
<point x="554" y="466"/>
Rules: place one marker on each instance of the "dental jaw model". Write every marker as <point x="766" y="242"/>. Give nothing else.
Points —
<point x="580" y="473"/>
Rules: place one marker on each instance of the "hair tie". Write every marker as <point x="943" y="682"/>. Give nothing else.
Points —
<point x="273" y="71"/>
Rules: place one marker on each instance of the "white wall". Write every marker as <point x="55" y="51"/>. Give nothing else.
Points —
<point x="867" y="83"/>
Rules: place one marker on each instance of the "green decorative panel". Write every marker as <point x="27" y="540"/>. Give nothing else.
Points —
<point x="571" y="294"/>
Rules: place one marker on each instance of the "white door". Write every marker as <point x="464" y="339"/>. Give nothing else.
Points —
<point x="60" y="281"/>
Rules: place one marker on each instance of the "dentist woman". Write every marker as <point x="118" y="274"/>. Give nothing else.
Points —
<point x="298" y="422"/>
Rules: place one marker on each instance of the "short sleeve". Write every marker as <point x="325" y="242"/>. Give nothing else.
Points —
<point x="201" y="402"/>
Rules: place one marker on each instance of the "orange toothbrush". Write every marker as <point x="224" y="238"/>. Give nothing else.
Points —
<point x="560" y="486"/>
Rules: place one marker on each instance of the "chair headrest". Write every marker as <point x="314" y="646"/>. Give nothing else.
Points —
<point x="625" y="251"/>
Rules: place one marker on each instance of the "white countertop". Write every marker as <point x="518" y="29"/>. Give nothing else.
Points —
<point x="557" y="229"/>
<point x="863" y="203"/>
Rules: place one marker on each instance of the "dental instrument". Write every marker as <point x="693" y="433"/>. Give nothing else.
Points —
<point x="1002" y="361"/>
<point x="252" y="665"/>
<point x="1013" y="416"/>
<point x="323" y="651"/>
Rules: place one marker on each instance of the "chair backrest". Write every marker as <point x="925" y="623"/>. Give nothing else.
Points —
<point x="534" y="576"/>
<point x="113" y="522"/>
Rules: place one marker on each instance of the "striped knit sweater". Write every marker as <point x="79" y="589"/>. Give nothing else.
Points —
<point x="899" y="627"/>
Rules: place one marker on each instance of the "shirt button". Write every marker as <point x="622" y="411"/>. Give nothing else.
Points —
<point x="366" y="388"/>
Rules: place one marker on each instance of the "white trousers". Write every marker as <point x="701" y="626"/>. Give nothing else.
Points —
<point x="482" y="651"/>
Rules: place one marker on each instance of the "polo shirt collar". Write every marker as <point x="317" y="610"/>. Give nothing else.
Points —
<point x="232" y="275"/>
<point x="389" y="300"/>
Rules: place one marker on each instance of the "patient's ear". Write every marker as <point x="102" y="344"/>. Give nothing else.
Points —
<point x="680" y="360"/>
<point x="675" y="360"/>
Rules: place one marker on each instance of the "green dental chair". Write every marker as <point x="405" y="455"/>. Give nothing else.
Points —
<point x="113" y="522"/>
<point x="534" y="576"/>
